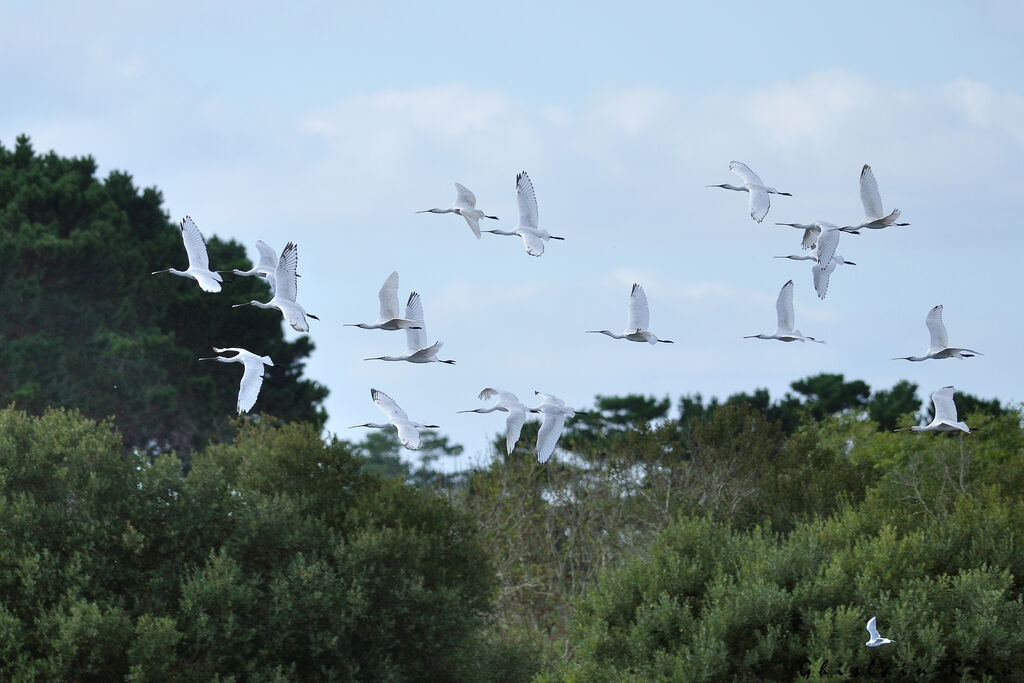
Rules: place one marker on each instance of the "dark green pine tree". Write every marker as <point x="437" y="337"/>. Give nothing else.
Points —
<point x="86" y="326"/>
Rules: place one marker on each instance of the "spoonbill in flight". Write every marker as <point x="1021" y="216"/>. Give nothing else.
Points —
<point x="408" y="431"/>
<point x="198" y="260"/>
<point x="265" y="268"/>
<point x="938" y="346"/>
<point x="755" y="187"/>
<point x="465" y="206"/>
<point x="945" y="414"/>
<point x="872" y="201"/>
<point x="285" y="291"/>
<point x="388" y="318"/>
<point x="252" y="375"/>
<point x="813" y="230"/>
<point x="637" y="320"/>
<point x="533" y="237"/>
<point x="506" y="402"/>
<point x="784" y="330"/>
<point x="416" y="337"/>
<point x="876" y="639"/>
<point x="555" y="411"/>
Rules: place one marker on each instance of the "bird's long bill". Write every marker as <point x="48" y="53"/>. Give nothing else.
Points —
<point x="374" y="358"/>
<point x="157" y="272"/>
<point x="214" y="358"/>
<point x="237" y="305"/>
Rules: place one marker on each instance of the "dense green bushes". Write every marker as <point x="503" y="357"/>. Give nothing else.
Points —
<point x="274" y="557"/>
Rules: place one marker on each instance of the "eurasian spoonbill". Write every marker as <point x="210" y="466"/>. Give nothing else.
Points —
<point x="755" y="187"/>
<point x="417" y="350"/>
<point x="637" y="320"/>
<point x="252" y="375"/>
<point x="198" y="260"/>
<point x="876" y="639"/>
<point x="408" y="431"/>
<point x="388" y="318"/>
<point x="938" y="346"/>
<point x="784" y="330"/>
<point x="465" y="206"/>
<point x="285" y="291"/>
<point x="506" y="402"/>
<point x="533" y="237"/>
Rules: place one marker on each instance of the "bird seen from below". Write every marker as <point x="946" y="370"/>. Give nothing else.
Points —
<point x="252" y="375"/>
<point x="408" y="431"/>
<point x="876" y="639"/>
<point x="945" y="414"/>
<point x="760" y="202"/>
<point x="506" y="402"/>
<point x="872" y="202"/>
<point x="465" y="206"/>
<point x="555" y="411"/>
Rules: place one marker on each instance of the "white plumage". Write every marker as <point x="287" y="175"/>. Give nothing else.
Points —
<point x="533" y="237"/>
<point x="785" y="329"/>
<point x="198" y="260"/>
<point x="408" y="431"/>
<point x="252" y="375"/>
<point x="506" y="402"/>
<point x="637" y="320"/>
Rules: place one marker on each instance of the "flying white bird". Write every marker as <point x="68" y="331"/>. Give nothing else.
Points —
<point x="755" y="187"/>
<point x="198" y="260"/>
<point x="285" y="291"/>
<point x="820" y="275"/>
<point x="784" y="330"/>
<point x="876" y="639"/>
<point x="872" y="201"/>
<point x="506" y="402"/>
<point x="252" y="376"/>
<point x="416" y="337"/>
<point x="465" y="206"/>
<point x="813" y="230"/>
<point x="533" y="237"/>
<point x="938" y="346"/>
<point x="388" y="318"/>
<point x="555" y="411"/>
<point x="265" y="268"/>
<point x="408" y="431"/>
<point x="637" y="320"/>
<point x="945" y="414"/>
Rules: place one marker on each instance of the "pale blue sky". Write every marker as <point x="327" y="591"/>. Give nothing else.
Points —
<point x="331" y="124"/>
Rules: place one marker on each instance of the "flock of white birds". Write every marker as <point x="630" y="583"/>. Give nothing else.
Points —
<point x="820" y="242"/>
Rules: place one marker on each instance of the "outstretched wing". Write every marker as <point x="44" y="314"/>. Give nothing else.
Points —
<point x="514" y="426"/>
<point x="285" y="280"/>
<point x="945" y="409"/>
<point x="936" y="329"/>
<point x="639" y="314"/>
<point x="821" y="277"/>
<point x="548" y="435"/>
<point x="195" y="245"/>
<point x="527" y="203"/>
<point x="759" y="203"/>
<point x="387" y="405"/>
<point x="415" y="339"/>
<point x="268" y="257"/>
<point x="389" y="297"/>
<point x="465" y="198"/>
<point x="534" y="244"/>
<point x="408" y="435"/>
<point x="828" y="240"/>
<point x="784" y="308"/>
<point x="869" y="196"/>
<point x="872" y="630"/>
<point x="744" y="172"/>
<point x="252" y="380"/>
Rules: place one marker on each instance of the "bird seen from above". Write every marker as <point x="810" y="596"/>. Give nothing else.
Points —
<point x="533" y="237"/>
<point x="637" y="320"/>
<point x="938" y="346"/>
<point x="755" y="187"/>
<point x="465" y="206"/>
<point x="198" y="260"/>
<point x="252" y="375"/>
